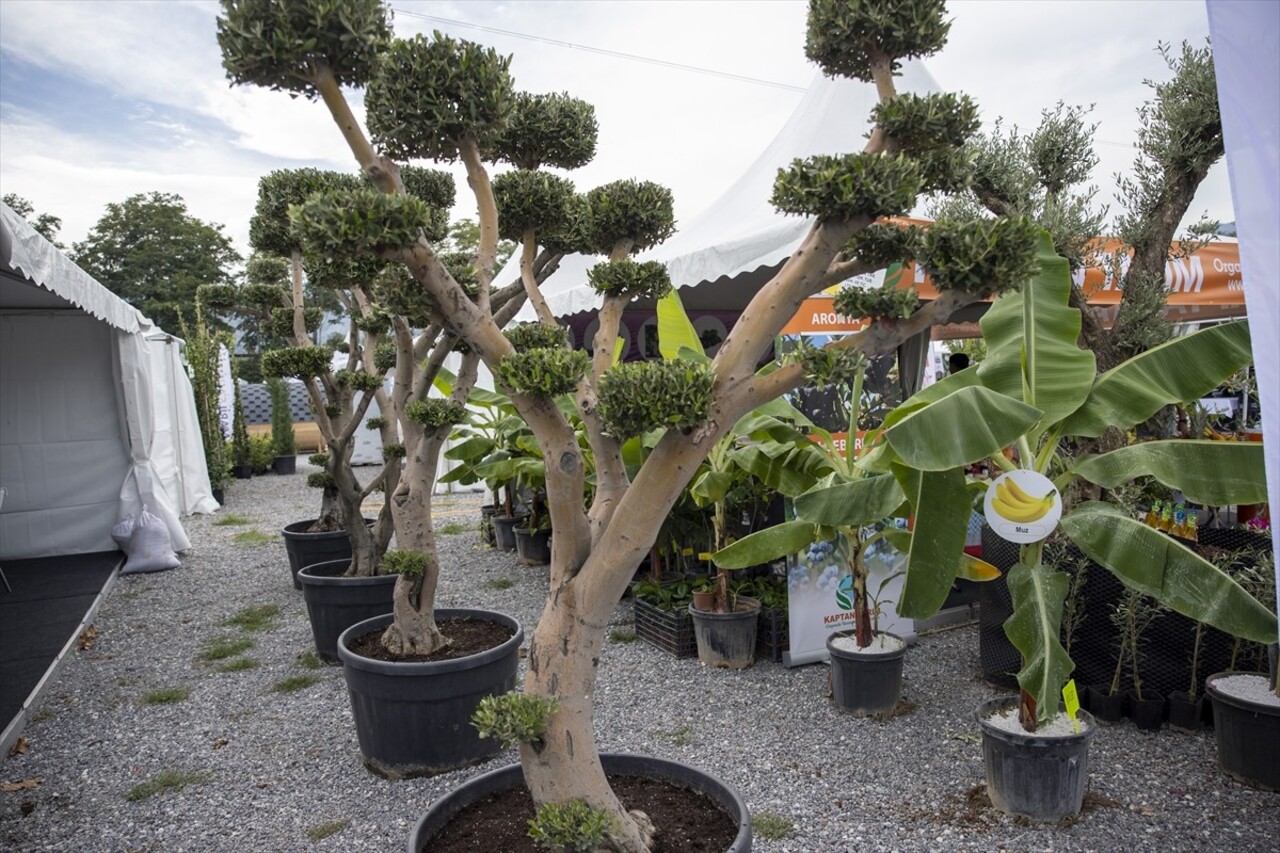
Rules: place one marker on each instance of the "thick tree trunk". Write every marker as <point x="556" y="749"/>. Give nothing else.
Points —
<point x="413" y="631"/>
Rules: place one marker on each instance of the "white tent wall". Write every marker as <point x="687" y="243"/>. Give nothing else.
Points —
<point x="87" y="426"/>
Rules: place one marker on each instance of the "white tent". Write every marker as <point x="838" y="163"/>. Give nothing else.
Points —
<point x="741" y="232"/>
<point x="97" y="415"/>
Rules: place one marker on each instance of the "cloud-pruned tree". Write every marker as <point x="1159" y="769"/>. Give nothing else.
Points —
<point x="441" y="98"/>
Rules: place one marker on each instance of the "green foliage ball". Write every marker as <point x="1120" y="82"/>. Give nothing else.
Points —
<point x="436" y="412"/>
<point x="306" y="362"/>
<point x="548" y="372"/>
<point x="844" y="36"/>
<point x="843" y="187"/>
<point x="648" y="280"/>
<point x="355" y="222"/>
<point x="640" y="212"/>
<point x="530" y="201"/>
<point x="548" y="130"/>
<point x="637" y="397"/>
<point x="983" y="256"/>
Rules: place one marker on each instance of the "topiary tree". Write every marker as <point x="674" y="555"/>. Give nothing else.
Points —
<point x="440" y="98"/>
<point x="283" y="441"/>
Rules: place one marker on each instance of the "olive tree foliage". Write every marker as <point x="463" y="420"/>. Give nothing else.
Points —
<point x="1041" y="174"/>
<point x="440" y="98"/>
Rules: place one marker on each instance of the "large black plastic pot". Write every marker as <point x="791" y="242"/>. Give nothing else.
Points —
<point x="504" y="530"/>
<point x="727" y="640"/>
<point x="507" y="778"/>
<point x="1033" y="776"/>
<point x="414" y="719"/>
<point x="335" y="603"/>
<point x="866" y="683"/>
<point x="533" y="547"/>
<point x="285" y="464"/>
<point x="1248" y="736"/>
<point x="307" y="549"/>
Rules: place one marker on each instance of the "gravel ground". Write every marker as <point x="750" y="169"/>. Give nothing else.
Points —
<point x="276" y="768"/>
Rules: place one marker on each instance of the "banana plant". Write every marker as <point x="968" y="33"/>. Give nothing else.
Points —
<point x="1039" y="393"/>
<point x="836" y="501"/>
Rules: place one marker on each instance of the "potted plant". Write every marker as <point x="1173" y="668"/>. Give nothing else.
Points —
<point x="1246" y="706"/>
<point x="1186" y="709"/>
<point x="662" y="613"/>
<point x="1134" y="615"/>
<point x="283" y="440"/>
<point x="241" y="446"/>
<point x="1035" y="392"/>
<point x="202" y="353"/>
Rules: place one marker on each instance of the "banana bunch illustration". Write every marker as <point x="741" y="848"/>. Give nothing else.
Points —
<point x="1012" y="503"/>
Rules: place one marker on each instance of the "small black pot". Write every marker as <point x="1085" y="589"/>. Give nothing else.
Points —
<point x="504" y="530"/>
<point x="727" y="640"/>
<point x="285" y="464"/>
<point x="867" y="683"/>
<point x="486" y="524"/>
<point x="414" y="719"/>
<point x="1147" y="713"/>
<point x="242" y="472"/>
<point x="335" y="603"/>
<point x="507" y="778"/>
<point x="1104" y="706"/>
<point x="1185" y="714"/>
<point x="533" y="547"/>
<point x="219" y="497"/>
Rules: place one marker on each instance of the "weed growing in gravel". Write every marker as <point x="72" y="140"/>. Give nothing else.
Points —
<point x="622" y="635"/>
<point x="232" y="520"/>
<point x="45" y="713"/>
<point x="258" y="618"/>
<point x="322" y="831"/>
<point x="771" y="826"/>
<point x="295" y="682"/>
<point x="309" y="660"/>
<point x="453" y="528"/>
<point x="165" y="780"/>
<point x="252" y="538"/>
<point x="501" y="583"/>
<point x="239" y="665"/>
<point x="226" y="648"/>
<point x="166" y="695"/>
<point x="680" y="736"/>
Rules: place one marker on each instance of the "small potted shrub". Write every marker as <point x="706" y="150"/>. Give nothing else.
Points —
<point x="283" y="439"/>
<point x="241" y="444"/>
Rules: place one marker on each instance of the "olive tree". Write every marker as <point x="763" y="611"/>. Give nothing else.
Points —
<point x="445" y="99"/>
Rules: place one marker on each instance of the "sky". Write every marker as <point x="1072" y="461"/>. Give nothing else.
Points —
<point x="102" y="100"/>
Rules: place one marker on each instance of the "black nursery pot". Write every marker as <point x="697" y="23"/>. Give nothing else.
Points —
<point x="486" y="524"/>
<point x="504" y="530"/>
<point x="444" y="809"/>
<point x="306" y="549"/>
<point x="1147" y="713"/>
<point x="285" y="464"/>
<point x="1105" y="707"/>
<point x="533" y="547"/>
<point x="1185" y="714"/>
<point x="242" y="472"/>
<point x="335" y="603"/>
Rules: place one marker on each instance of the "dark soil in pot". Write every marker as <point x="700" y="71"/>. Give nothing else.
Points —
<point x="688" y="823"/>
<point x="467" y="637"/>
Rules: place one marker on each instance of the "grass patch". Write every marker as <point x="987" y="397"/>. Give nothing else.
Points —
<point x="252" y="538"/>
<point x="622" y="635"/>
<point x="166" y="695"/>
<point x="771" y="826"/>
<point x="226" y="648"/>
<point x="294" y="683"/>
<point x="239" y="665"/>
<point x="681" y="736"/>
<point x="309" y="660"/>
<point x="232" y="520"/>
<point x="45" y="713"/>
<point x="453" y="528"/>
<point x="501" y="583"/>
<point x="321" y="831"/>
<point x="166" y="780"/>
<point x="258" y="618"/>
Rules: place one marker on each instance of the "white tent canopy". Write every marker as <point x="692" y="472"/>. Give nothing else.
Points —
<point x="97" y="415"/>
<point x="741" y="232"/>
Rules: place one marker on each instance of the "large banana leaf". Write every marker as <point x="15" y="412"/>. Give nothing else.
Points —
<point x="674" y="329"/>
<point x="478" y="397"/>
<point x="710" y="487"/>
<point x="971" y="424"/>
<point x="1153" y="563"/>
<point x="1038" y="593"/>
<point x="1212" y="473"/>
<point x="1182" y="369"/>
<point x="772" y="543"/>
<point x="475" y="447"/>
<point x="942" y="519"/>
<point x="791" y="469"/>
<point x="850" y="503"/>
<point x="1031" y="336"/>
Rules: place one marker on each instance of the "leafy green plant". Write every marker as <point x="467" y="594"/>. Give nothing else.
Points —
<point x="771" y="826"/>
<point x="252" y="538"/>
<point x="309" y="660"/>
<point x="514" y="718"/>
<point x="225" y="648"/>
<point x="1038" y="392"/>
<point x="166" y="695"/>
<point x="258" y="617"/>
<point x="283" y="439"/>
<point x="294" y="683"/>
<point x="572" y="827"/>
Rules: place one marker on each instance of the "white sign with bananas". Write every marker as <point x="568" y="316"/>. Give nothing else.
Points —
<point x="1022" y="506"/>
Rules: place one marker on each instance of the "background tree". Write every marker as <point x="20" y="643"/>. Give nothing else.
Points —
<point x="152" y="253"/>
<point x="46" y="224"/>
<point x="464" y="236"/>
